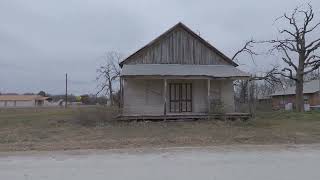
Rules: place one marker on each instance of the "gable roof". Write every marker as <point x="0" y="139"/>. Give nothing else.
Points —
<point x="308" y="88"/>
<point x="184" y="27"/>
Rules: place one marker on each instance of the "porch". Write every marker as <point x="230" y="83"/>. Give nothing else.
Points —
<point x="174" y="95"/>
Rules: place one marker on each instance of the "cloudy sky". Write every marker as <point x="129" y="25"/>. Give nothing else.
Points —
<point x="41" y="40"/>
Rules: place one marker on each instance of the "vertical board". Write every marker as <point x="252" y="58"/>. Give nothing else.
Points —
<point x="178" y="47"/>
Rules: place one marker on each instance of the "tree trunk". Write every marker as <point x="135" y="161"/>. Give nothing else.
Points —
<point x="110" y="93"/>
<point x="299" y="93"/>
<point x="299" y="83"/>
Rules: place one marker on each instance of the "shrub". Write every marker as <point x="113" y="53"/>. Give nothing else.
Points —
<point x="217" y="107"/>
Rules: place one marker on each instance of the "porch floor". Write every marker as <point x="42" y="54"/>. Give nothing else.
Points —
<point x="226" y="116"/>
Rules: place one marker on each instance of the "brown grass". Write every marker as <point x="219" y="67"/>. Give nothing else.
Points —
<point x="60" y="129"/>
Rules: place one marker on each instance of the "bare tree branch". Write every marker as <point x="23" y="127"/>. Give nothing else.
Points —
<point x="246" y="49"/>
<point x="312" y="49"/>
<point x="313" y="28"/>
<point x="288" y="32"/>
<point x="312" y="60"/>
<point x="311" y="44"/>
<point x="271" y="77"/>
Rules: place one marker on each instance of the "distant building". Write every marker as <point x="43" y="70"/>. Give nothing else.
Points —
<point x="264" y="99"/>
<point x="23" y="101"/>
<point x="310" y="94"/>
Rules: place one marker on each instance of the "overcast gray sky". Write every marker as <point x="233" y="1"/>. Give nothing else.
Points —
<point x="40" y="40"/>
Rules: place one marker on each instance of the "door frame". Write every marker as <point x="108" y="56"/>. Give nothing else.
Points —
<point x="185" y="102"/>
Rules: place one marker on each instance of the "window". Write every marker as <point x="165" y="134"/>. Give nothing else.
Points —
<point x="180" y="95"/>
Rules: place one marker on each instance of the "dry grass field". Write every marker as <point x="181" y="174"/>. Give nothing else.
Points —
<point x="94" y="128"/>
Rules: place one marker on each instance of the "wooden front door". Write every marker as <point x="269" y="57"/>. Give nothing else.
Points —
<point x="180" y="96"/>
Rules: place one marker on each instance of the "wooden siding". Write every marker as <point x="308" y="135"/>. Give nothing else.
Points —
<point x="200" y="96"/>
<point x="227" y="96"/>
<point x="314" y="99"/>
<point x="145" y="96"/>
<point x="178" y="47"/>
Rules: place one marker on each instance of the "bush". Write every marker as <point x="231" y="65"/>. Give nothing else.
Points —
<point x="217" y="107"/>
<point x="96" y="116"/>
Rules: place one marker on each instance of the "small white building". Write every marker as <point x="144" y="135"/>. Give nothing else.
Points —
<point x="23" y="101"/>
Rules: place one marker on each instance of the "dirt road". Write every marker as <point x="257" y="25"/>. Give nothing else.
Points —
<point x="220" y="163"/>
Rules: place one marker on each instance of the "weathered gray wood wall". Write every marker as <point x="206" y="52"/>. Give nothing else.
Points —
<point x="145" y="96"/>
<point x="227" y="95"/>
<point x="178" y="47"/>
<point x="142" y="97"/>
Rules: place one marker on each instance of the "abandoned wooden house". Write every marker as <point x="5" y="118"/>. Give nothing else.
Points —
<point x="178" y="74"/>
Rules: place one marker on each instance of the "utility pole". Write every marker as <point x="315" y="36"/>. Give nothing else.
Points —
<point x="66" y="99"/>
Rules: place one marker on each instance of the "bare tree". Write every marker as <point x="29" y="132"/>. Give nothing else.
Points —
<point x="268" y="76"/>
<point x="247" y="48"/>
<point x="247" y="90"/>
<point x="108" y="74"/>
<point x="298" y="47"/>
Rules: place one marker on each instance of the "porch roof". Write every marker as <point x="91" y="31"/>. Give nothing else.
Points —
<point x="214" y="71"/>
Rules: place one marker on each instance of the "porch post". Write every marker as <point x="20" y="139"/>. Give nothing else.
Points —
<point x="120" y="96"/>
<point x="208" y="95"/>
<point x="249" y="97"/>
<point x="165" y="98"/>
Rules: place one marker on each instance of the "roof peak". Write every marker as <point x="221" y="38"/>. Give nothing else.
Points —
<point x="191" y="32"/>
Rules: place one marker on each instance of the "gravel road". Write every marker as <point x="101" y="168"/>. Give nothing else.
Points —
<point x="214" y="163"/>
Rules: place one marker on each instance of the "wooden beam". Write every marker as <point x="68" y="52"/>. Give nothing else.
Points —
<point x="121" y="95"/>
<point x="200" y="116"/>
<point x="249" y="97"/>
<point x="208" y="95"/>
<point x="165" y="98"/>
